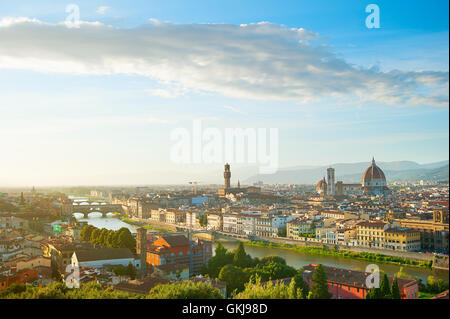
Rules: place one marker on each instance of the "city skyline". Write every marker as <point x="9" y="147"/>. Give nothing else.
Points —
<point x="77" y="109"/>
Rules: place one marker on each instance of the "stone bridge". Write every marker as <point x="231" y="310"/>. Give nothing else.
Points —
<point x="97" y="208"/>
<point x="68" y="208"/>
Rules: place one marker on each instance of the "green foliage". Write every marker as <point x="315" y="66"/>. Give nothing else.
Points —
<point x="234" y="277"/>
<point x="91" y="290"/>
<point x="395" y="290"/>
<point x="203" y="220"/>
<point x="281" y="232"/>
<point x="384" y="287"/>
<point x="121" y="238"/>
<point x="185" y="290"/>
<point x="435" y="286"/>
<point x="269" y="290"/>
<point x="120" y="270"/>
<point x="319" y="287"/>
<point x="301" y="287"/>
<point x="374" y="293"/>
<point x="240" y="256"/>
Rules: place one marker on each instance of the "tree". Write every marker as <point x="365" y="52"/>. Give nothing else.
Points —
<point x="384" y="287"/>
<point x="374" y="293"/>
<point x="131" y="271"/>
<point x="203" y="220"/>
<point x="221" y="258"/>
<point x="240" y="257"/>
<point x="185" y="290"/>
<point x="268" y="290"/>
<point x="281" y="232"/>
<point x="94" y="235"/>
<point x="319" y="287"/>
<point x="395" y="290"/>
<point x="234" y="277"/>
<point x="300" y="285"/>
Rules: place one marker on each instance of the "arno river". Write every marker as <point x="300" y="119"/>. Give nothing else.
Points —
<point x="294" y="259"/>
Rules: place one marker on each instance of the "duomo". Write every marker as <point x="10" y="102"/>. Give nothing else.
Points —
<point x="373" y="183"/>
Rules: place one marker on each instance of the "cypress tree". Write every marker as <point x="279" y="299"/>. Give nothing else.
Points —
<point x="319" y="287"/>
<point x="240" y="257"/>
<point x="395" y="290"/>
<point x="384" y="287"/>
<point x="301" y="285"/>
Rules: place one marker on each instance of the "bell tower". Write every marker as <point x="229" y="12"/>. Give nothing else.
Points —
<point x="227" y="176"/>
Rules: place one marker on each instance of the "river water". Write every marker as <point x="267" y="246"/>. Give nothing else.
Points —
<point x="293" y="258"/>
<point x="297" y="260"/>
<point x="110" y="222"/>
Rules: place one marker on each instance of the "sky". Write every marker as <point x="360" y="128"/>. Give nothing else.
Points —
<point x="96" y="105"/>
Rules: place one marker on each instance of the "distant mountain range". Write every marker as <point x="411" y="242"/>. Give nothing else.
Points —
<point x="352" y="173"/>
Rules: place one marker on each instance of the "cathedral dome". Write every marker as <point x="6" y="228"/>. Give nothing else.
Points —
<point x="373" y="178"/>
<point x="321" y="185"/>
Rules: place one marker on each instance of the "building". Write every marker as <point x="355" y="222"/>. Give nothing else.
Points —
<point x="433" y="233"/>
<point x="298" y="227"/>
<point x="230" y="223"/>
<point x="322" y="187"/>
<point x="374" y="181"/>
<point x="177" y="249"/>
<point x="403" y="239"/>
<point x="101" y="257"/>
<point x="330" y="181"/>
<point x="371" y="234"/>
<point x="263" y="226"/>
<point x="20" y="277"/>
<point x="215" y="221"/>
<point x="351" y="284"/>
<point x="228" y="190"/>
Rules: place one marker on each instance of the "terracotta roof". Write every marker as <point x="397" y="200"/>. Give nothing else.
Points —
<point x="176" y="240"/>
<point x="350" y="277"/>
<point x="373" y="172"/>
<point x="103" y="254"/>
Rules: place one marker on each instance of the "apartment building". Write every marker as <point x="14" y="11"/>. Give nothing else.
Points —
<point x="215" y="221"/>
<point x="230" y="223"/>
<point x="403" y="239"/>
<point x="371" y="234"/>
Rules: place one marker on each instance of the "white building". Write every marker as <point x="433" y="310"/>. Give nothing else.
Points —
<point x="101" y="257"/>
<point x="230" y="223"/>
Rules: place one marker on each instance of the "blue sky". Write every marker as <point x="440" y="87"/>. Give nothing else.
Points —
<point x="78" y="122"/>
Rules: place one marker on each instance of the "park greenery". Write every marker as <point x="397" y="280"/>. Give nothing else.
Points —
<point x="344" y="254"/>
<point x="185" y="290"/>
<point x="94" y="290"/>
<point x="121" y="238"/>
<point x="59" y="290"/>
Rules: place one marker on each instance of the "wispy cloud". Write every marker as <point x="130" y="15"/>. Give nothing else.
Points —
<point x="254" y="61"/>
<point x="235" y="110"/>
<point x="102" y="9"/>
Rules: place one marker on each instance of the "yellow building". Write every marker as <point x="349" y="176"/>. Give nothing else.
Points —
<point x="371" y="234"/>
<point x="403" y="239"/>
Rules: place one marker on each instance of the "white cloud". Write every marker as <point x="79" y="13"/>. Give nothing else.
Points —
<point x="255" y="61"/>
<point x="233" y="109"/>
<point x="102" y="9"/>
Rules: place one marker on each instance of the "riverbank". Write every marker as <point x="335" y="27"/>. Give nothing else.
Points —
<point x="143" y="225"/>
<point x="343" y="254"/>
